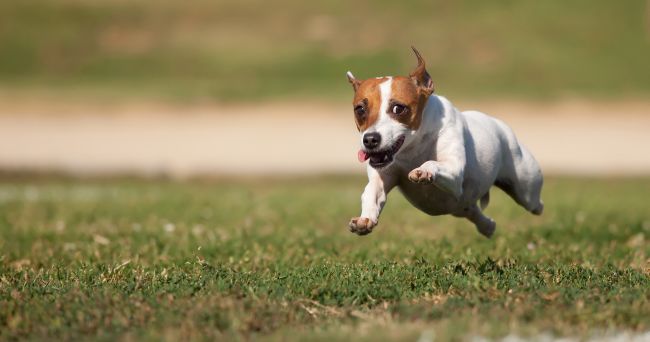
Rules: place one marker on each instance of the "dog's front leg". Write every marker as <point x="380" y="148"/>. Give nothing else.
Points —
<point x="372" y="202"/>
<point x="447" y="172"/>
<point x="446" y="177"/>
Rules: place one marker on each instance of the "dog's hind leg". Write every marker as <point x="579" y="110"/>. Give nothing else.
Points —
<point x="485" y="200"/>
<point x="523" y="182"/>
<point x="484" y="224"/>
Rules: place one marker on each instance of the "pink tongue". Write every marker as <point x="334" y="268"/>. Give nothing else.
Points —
<point x="362" y="156"/>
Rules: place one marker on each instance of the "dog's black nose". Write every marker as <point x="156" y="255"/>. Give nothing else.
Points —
<point x="371" y="140"/>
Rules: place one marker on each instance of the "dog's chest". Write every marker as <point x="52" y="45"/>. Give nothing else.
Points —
<point x="417" y="153"/>
<point x="427" y="197"/>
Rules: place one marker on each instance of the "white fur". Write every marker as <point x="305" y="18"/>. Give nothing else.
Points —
<point x="374" y="196"/>
<point x="449" y="164"/>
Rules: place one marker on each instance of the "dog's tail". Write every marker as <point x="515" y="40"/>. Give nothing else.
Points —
<point x="485" y="200"/>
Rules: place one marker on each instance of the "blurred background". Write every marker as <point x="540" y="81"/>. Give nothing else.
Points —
<point x="248" y="87"/>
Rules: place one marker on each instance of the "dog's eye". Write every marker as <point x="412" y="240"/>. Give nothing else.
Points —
<point x="398" y="109"/>
<point x="359" y="111"/>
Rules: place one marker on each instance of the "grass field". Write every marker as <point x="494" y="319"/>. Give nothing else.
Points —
<point x="256" y="50"/>
<point x="272" y="259"/>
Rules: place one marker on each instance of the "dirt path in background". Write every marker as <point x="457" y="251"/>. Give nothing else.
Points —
<point x="566" y="137"/>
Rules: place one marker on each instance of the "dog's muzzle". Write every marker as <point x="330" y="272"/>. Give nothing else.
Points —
<point x="381" y="158"/>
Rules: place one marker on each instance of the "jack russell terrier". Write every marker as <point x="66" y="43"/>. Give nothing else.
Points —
<point x="443" y="160"/>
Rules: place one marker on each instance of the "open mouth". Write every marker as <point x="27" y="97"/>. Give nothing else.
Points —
<point x="379" y="159"/>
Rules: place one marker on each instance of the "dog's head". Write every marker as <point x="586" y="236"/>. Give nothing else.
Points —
<point x="388" y="111"/>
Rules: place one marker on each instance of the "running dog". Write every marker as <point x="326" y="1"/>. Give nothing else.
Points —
<point x="443" y="160"/>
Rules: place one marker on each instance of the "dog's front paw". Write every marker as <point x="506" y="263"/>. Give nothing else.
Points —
<point x="420" y="175"/>
<point x="361" y="225"/>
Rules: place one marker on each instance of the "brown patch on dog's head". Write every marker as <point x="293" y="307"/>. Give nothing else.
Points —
<point x="411" y="93"/>
<point x="405" y="94"/>
<point x="367" y="101"/>
<point x="407" y="100"/>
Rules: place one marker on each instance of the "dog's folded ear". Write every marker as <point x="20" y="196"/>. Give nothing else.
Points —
<point x="420" y="75"/>
<point x="355" y="83"/>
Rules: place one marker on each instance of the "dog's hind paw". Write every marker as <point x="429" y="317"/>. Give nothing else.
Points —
<point x="361" y="225"/>
<point x="421" y="176"/>
<point x="487" y="228"/>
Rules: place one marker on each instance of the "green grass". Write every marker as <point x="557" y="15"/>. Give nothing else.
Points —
<point x="273" y="260"/>
<point x="243" y="50"/>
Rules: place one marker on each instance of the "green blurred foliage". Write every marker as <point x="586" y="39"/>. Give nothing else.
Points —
<point x="254" y="49"/>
